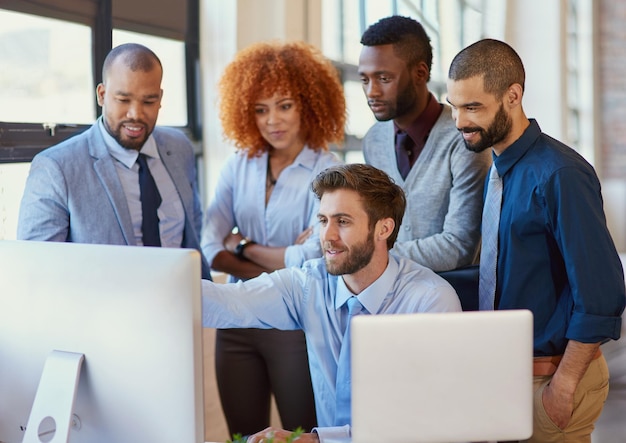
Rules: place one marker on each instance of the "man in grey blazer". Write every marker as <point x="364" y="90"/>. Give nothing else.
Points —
<point x="443" y="181"/>
<point x="86" y="189"/>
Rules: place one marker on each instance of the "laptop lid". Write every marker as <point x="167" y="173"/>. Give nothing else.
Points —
<point x="442" y="377"/>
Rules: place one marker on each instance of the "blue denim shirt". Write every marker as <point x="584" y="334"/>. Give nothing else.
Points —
<point x="556" y="256"/>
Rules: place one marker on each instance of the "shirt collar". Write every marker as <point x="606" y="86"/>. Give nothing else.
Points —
<point x="373" y="296"/>
<point x="423" y="124"/>
<point x="128" y="157"/>
<point x="306" y="158"/>
<point x="511" y="155"/>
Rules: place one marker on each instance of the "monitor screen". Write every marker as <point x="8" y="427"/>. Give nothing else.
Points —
<point x="135" y="315"/>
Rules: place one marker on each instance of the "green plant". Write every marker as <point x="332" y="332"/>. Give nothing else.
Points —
<point x="238" y="438"/>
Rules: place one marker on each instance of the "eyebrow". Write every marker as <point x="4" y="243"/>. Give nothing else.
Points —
<point x="464" y="105"/>
<point x="278" y="102"/>
<point x="130" y="94"/>
<point x="375" y="73"/>
<point x="337" y="215"/>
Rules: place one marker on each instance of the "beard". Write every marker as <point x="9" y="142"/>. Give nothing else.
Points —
<point x="405" y="101"/>
<point x="497" y="131"/>
<point x="357" y="257"/>
<point x="127" y="142"/>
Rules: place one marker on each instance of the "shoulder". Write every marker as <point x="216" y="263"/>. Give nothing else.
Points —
<point x="310" y="277"/>
<point x="326" y="159"/>
<point x="172" y="137"/>
<point x="71" y="153"/>
<point x="378" y="143"/>
<point x="75" y="145"/>
<point x="427" y="291"/>
<point x="379" y="130"/>
<point x="315" y="268"/>
<point x="552" y="159"/>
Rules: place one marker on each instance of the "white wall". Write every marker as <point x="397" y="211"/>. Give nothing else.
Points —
<point x="533" y="29"/>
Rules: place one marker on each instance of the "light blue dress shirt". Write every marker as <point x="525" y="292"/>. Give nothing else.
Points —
<point x="171" y="212"/>
<point x="310" y="299"/>
<point x="239" y="201"/>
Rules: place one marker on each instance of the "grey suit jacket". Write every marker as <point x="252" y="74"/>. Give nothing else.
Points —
<point x="73" y="193"/>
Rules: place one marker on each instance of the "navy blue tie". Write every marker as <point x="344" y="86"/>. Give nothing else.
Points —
<point x="150" y="201"/>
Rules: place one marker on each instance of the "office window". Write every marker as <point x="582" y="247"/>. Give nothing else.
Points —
<point x="46" y="70"/>
<point x="579" y="98"/>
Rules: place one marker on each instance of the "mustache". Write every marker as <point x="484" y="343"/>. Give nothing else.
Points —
<point x="332" y="245"/>
<point x="467" y="130"/>
<point x="133" y="122"/>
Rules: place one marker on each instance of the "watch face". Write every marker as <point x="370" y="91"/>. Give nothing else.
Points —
<point x="241" y="246"/>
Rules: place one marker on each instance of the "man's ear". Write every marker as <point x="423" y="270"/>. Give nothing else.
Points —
<point x="100" y="93"/>
<point x="384" y="228"/>
<point x="513" y="95"/>
<point x="420" y="73"/>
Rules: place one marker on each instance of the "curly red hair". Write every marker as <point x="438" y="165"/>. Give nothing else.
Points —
<point x="295" y="68"/>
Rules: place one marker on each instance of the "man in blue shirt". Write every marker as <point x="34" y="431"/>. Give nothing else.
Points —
<point x="360" y="213"/>
<point x="555" y="255"/>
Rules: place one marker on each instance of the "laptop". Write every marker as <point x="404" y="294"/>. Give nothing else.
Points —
<point x="442" y="377"/>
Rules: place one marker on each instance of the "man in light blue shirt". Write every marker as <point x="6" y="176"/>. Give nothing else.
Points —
<point x="360" y="213"/>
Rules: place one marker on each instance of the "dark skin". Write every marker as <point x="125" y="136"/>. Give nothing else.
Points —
<point x="392" y="88"/>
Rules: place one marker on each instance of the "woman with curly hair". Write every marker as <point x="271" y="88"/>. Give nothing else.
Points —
<point x="281" y="104"/>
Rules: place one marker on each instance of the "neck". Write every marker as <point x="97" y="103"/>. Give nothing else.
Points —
<point x="364" y="277"/>
<point x="405" y="120"/>
<point x="520" y="124"/>
<point x="285" y="156"/>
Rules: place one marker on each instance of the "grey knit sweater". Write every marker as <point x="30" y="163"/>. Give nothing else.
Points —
<point x="441" y="226"/>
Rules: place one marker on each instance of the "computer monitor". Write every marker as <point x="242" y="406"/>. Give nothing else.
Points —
<point x="135" y="315"/>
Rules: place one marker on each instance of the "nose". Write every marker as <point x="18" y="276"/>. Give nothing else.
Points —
<point x="371" y="89"/>
<point x="134" y="111"/>
<point x="458" y="117"/>
<point x="272" y="116"/>
<point x="328" y="232"/>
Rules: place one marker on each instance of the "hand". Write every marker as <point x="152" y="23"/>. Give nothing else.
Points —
<point x="304" y="235"/>
<point x="281" y="436"/>
<point x="559" y="405"/>
<point x="231" y="241"/>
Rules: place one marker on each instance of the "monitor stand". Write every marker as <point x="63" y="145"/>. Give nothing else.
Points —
<point x="51" y="416"/>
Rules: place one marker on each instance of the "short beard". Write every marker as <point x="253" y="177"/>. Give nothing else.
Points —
<point x="135" y="145"/>
<point x="359" y="256"/>
<point x="497" y="131"/>
<point x="404" y="104"/>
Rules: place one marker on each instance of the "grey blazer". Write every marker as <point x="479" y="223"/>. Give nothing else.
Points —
<point x="73" y="193"/>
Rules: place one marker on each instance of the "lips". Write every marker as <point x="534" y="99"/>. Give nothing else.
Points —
<point x="377" y="106"/>
<point x="133" y="129"/>
<point x="331" y="251"/>
<point x="469" y="133"/>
